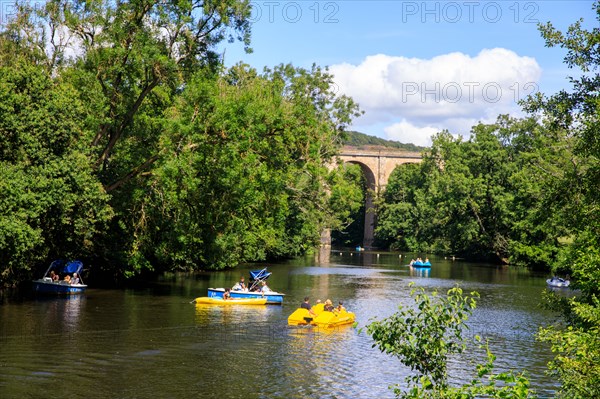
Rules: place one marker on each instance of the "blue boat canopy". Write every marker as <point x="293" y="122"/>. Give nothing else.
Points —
<point x="73" y="266"/>
<point x="260" y="275"/>
<point x="61" y="266"/>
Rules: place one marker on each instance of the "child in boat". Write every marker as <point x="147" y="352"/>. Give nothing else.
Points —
<point x="227" y="294"/>
<point x="240" y="285"/>
<point x="306" y="305"/>
<point x="328" y="305"/>
<point x="340" y="307"/>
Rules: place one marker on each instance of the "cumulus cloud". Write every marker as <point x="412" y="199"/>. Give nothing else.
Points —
<point x="405" y="132"/>
<point x="417" y="96"/>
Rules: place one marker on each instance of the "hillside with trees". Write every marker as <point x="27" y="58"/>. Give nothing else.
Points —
<point x="357" y="139"/>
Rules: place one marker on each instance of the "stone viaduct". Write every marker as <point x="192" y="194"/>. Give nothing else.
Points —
<point x="377" y="164"/>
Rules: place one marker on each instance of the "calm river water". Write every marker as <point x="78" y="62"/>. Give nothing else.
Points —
<point x="152" y="343"/>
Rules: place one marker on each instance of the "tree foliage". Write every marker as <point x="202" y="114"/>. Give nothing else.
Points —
<point x="425" y="336"/>
<point x="575" y="340"/>
<point x="243" y="175"/>
<point x="50" y="200"/>
<point x="125" y="140"/>
<point x="492" y="196"/>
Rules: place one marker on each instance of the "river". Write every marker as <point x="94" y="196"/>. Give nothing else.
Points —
<point x="150" y="342"/>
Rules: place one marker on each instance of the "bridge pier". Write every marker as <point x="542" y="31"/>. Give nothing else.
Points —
<point x="370" y="219"/>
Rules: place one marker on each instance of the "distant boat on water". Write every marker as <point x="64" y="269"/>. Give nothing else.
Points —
<point x="53" y="281"/>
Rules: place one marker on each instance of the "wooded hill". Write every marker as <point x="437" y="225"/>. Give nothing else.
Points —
<point x="357" y="139"/>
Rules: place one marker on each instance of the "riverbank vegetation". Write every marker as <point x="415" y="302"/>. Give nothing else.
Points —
<point x="426" y="336"/>
<point x="125" y="142"/>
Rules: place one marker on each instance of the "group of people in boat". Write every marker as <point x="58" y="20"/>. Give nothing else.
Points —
<point x="241" y="286"/>
<point x="67" y="279"/>
<point x="418" y="260"/>
<point x="327" y="306"/>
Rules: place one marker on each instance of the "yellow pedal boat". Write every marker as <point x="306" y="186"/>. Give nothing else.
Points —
<point x="322" y="318"/>
<point x="233" y="301"/>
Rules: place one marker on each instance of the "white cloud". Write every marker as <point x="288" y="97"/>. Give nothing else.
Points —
<point x="444" y="92"/>
<point x="405" y="132"/>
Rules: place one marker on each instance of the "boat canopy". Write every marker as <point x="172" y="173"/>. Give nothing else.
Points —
<point x="258" y="276"/>
<point x="64" y="267"/>
<point x="73" y="266"/>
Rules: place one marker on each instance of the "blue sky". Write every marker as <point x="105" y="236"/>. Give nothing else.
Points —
<point x="417" y="67"/>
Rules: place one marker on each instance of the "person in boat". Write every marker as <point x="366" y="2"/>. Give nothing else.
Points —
<point x="75" y="279"/>
<point x="227" y="294"/>
<point x="328" y="306"/>
<point x="67" y="279"/>
<point x="240" y="285"/>
<point x="54" y="276"/>
<point x="340" y="307"/>
<point x="306" y="305"/>
<point x="264" y="288"/>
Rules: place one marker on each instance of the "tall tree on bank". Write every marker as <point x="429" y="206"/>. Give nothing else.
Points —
<point x="576" y="341"/>
<point x="51" y="202"/>
<point x="243" y="176"/>
<point x="491" y="196"/>
<point x="204" y="168"/>
<point x="128" y="61"/>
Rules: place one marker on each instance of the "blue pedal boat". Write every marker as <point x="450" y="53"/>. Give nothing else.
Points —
<point x="257" y="277"/>
<point x="46" y="285"/>
<point x="419" y="263"/>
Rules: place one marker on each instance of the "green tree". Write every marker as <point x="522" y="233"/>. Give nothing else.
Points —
<point x="398" y="209"/>
<point x="51" y="204"/>
<point x="492" y="196"/>
<point x="244" y="175"/>
<point x="575" y="341"/>
<point x="425" y="336"/>
<point x="129" y="60"/>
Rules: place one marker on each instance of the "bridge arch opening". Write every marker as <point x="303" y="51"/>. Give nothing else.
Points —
<point x="360" y="231"/>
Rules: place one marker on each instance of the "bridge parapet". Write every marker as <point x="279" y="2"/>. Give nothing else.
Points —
<point x="378" y="162"/>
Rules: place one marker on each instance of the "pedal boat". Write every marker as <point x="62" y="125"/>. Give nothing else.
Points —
<point x="323" y="318"/>
<point x="233" y="301"/>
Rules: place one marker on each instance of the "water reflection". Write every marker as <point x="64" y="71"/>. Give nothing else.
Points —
<point x="60" y="314"/>
<point x="234" y="314"/>
<point x="323" y="256"/>
<point x="420" y="271"/>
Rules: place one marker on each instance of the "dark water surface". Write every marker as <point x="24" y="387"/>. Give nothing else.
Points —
<point x="152" y="343"/>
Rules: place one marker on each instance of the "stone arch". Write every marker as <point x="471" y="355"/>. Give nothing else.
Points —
<point x="370" y="217"/>
<point x="377" y="165"/>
